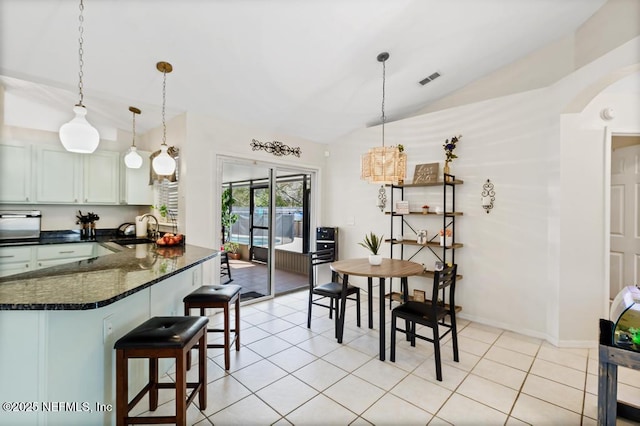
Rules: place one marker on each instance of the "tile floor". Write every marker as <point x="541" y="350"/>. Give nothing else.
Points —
<point x="287" y="374"/>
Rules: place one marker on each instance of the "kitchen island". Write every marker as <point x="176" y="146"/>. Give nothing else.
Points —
<point x="58" y="326"/>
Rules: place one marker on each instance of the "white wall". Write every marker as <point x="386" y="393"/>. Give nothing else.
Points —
<point x="504" y="256"/>
<point x="536" y="263"/>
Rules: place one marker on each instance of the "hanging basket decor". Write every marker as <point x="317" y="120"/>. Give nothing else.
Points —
<point x="385" y="164"/>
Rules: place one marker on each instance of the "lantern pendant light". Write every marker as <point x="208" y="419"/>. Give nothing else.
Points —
<point x="164" y="164"/>
<point x="386" y="164"/>
<point x="78" y="135"/>
<point x="133" y="160"/>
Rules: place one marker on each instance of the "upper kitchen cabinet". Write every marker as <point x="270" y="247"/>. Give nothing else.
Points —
<point x="64" y="177"/>
<point x="47" y="174"/>
<point x="134" y="183"/>
<point x="15" y="174"/>
<point x="58" y="176"/>
<point x="101" y="171"/>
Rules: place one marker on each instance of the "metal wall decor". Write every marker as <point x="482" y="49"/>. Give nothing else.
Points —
<point x="488" y="196"/>
<point x="276" y="148"/>
<point x="382" y="198"/>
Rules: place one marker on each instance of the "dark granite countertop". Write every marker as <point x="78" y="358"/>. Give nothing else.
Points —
<point x="72" y="236"/>
<point x="99" y="281"/>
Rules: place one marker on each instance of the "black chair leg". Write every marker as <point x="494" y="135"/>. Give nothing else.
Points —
<point x="358" y="308"/>
<point x="370" y="300"/>
<point x="337" y="320"/>
<point x="412" y="337"/>
<point x="340" y="316"/>
<point x="392" y="354"/>
<point x="309" y="310"/>
<point x="454" y="338"/>
<point x="331" y="308"/>
<point x="436" y="353"/>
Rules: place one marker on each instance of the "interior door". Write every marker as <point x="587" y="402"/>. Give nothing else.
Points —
<point x="625" y="219"/>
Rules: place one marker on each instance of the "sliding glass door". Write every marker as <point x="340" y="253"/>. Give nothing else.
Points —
<point x="273" y="210"/>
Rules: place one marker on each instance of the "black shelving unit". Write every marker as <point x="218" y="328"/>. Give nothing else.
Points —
<point x="445" y="254"/>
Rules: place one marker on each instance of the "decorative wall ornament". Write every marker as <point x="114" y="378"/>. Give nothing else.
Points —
<point x="382" y="198"/>
<point x="276" y="148"/>
<point x="488" y="196"/>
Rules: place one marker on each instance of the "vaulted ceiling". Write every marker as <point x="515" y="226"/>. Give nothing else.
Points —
<point x="298" y="67"/>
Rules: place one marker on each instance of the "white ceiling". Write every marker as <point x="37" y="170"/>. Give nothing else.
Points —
<point x="298" y="67"/>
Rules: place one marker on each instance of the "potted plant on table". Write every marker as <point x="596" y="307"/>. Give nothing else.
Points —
<point x="231" y="247"/>
<point x="372" y="242"/>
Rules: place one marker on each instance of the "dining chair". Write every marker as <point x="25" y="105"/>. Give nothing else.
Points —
<point x="225" y="269"/>
<point x="432" y="314"/>
<point x="336" y="293"/>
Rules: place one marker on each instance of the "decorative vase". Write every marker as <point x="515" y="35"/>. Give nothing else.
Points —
<point x="445" y="241"/>
<point x="446" y="171"/>
<point x="375" y="259"/>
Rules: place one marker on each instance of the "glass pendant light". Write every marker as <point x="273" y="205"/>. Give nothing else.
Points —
<point x="164" y="164"/>
<point x="78" y="135"/>
<point x="133" y="160"/>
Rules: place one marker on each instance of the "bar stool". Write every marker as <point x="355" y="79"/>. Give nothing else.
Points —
<point x="218" y="296"/>
<point x="162" y="337"/>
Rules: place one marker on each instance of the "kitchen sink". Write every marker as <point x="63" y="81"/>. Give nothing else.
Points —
<point x="132" y="240"/>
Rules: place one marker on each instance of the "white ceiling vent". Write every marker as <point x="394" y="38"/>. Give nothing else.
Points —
<point x="430" y="78"/>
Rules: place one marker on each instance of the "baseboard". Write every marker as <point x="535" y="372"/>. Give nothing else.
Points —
<point x="531" y="333"/>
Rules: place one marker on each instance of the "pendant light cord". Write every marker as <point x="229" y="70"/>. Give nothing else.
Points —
<point x="80" y="52"/>
<point x="133" y="141"/>
<point x="384" y="69"/>
<point x="164" y="97"/>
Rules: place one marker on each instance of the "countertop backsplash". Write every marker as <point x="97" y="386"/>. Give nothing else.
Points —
<point x="55" y="217"/>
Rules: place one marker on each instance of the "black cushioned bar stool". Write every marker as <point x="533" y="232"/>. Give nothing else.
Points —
<point x="162" y="337"/>
<point x="221" y="297"/>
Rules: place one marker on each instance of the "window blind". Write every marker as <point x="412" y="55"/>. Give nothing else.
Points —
<point x="166" y="193"/>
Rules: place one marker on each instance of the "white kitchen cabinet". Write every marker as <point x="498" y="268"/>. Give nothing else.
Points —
<point x="58" y="176"/>
<point x="19" y="259"/>
<point x="58" y="254"/>
<point x="15" y="260"/>
<point x="68" y="178"/>
<point x="135" y="188"/>
<point x="50" y="175"/>
<point x="101" y="171"/>
<point x="15" y="174"/>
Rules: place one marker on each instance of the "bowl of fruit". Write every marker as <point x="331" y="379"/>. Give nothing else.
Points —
<point x="170" y="239"/>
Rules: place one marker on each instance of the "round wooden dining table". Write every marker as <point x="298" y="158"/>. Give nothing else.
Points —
<point x="390" y="268"/>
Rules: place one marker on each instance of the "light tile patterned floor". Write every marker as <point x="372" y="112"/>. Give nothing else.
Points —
<point x="287" y="374"/>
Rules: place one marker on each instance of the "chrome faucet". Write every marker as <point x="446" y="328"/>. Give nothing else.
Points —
<point x="155" y="233"/>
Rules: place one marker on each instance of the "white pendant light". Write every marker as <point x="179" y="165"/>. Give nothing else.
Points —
<point x="164" y="164"/>
<point x="386" y="164"/>
<point x="133" y="160"/>
<point x="78" y="135"/>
